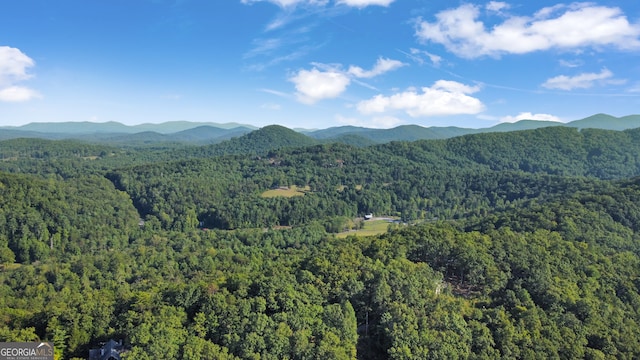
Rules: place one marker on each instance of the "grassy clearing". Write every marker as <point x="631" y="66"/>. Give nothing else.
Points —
<point x="371" y="227"/>
<point x="286" y="192"/>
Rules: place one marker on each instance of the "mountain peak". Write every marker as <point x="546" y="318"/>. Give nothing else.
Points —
<point x="279" y="136"/>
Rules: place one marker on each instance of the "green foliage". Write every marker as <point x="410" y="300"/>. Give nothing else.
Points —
<point x="522" y="245"/>
<point x="43" y="217"/>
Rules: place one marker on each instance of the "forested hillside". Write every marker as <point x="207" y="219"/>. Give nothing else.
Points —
<point x="446" y="179"/>
<point x="507" y="245"/>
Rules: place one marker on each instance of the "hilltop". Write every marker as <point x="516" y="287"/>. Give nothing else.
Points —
<point x="193" y="133"/>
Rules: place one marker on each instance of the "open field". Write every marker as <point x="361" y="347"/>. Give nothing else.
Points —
<point x="371" y="227"/>
<point x="286" y="191"/>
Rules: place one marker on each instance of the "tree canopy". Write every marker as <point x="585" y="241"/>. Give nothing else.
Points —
<point x="510" y="245"/>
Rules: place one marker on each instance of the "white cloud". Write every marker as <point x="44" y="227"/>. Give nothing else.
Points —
<point x="455" y="87"/>
<point x="530" y="116"/>
<point x="13" y="70"/>
<point x="435" y="59"/>
<point x="497" y="6"/>
<point x="443" y="98"/>
<point x="581" y="81"/>
<point x="417" y="56"/>
<point x="13" y="65"/>
<point x="571" y="64"/>
<point x="17" y="94"/>
<point x="326" y="81"/>
<point x="382" y="66"/>
<point x="314" y="85"/>
<point x="577" y="26"/>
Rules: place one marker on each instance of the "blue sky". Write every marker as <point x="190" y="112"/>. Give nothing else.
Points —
<point x="317" y="63"/>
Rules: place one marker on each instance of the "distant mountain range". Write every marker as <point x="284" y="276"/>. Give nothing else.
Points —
<point x="86" y="127"/>
<point x="184" y="132"/>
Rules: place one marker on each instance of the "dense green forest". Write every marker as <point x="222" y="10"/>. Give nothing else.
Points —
<point x="507" y="245"/>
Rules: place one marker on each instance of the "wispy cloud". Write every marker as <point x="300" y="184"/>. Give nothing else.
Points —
<point x="581" y="81"/>
<point x="577" y="26"/>
<point x="294" y="3"/>
<point x="295" y="10"/>
<point x="365" y="3"/>
<point x="291" y="55"/>
<point x="295" y="15"/>
<point x="382" y="66"/>
<point x="571" y="63"/>
<point x="14" y="65"/>
<point x="364" y="84"/>
<point x="264" y="47"/>
<point x="289" y="31"/>
<point x="281" y="3"/>
<point x="276" y="93"/>
<point x="283" y="45"/>
<point x="497" y="6"/>
<point x="419" y="56"/>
